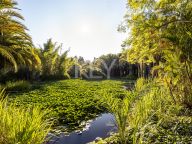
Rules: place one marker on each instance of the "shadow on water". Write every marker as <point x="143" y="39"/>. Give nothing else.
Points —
<point x="101" y="127"/>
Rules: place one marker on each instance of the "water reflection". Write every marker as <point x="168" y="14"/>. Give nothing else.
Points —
<point x="100" y="127"/>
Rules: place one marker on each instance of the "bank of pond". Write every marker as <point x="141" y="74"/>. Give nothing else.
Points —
<point x="121" y="111"/>
<point x="71" y="105"/>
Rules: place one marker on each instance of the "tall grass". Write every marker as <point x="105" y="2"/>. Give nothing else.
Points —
<point x="120" y="109"/>
<point x="148" y="114"/>
<point x="140" y="110"/>
<point x="22" y="126"/>
<point x="153" y="107"/>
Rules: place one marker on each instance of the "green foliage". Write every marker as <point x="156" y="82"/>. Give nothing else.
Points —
<point x="49" y="54"/>
<point x="64" y="65"/>
<point x="53" y="64"/>
<point x="22" y="125"/>
<point x="176" y="76"/>
<point x="160" y="33"/>
<point x="154" y="118"/>
<point x="16" y="47"/>
<point x="83" y="68"/>
<point x="118" y="66"/>
<point x="131" y="77"/>
<point x="150" y="116"/>
<point x="70" y="101"/>
<point x="149" y="105"/>
<point x="107" y="66"/>
<point x="157" y="111"/>
<point x="2" y="93"/>
<point x="17" y="86"/>
<point x="120" y="107"/>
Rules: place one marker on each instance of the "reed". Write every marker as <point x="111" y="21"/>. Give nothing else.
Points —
<point x="20" y="125"/>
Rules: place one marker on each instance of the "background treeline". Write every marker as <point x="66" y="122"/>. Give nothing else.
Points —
<point x="119" y="68"/>
<point x="21" y="60"/>
<point x="52" y="64"/>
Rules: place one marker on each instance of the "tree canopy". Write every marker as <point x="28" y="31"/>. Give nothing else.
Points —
<point x="16" y="46"/>
<point x="161" y="33"/>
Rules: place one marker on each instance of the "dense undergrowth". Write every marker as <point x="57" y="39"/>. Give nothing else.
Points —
<point x="21" y="125"/>
<point x="144" y="114"/>
<point x="16" y="86"/>
<point x="150" y="117"/>
<point x="70" y="101"/>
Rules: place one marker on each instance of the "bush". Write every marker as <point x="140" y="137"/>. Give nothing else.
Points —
<point x="154" y="117"/>
<point x="20" y="125"/>
<point x="17" y="86"/>
<point x="120" y="108"/>
<point x="151" y="116"/>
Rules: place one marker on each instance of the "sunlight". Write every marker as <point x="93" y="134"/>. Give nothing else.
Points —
<point x="85" y="28"/>
<point x="95" y="71"/>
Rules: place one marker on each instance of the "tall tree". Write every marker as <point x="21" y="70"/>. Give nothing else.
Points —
<point x="53" y="63"/>
<point x="64" y="64"/>
<point x="16" y="47"/>
<point x="49" y="55"/>
<point x="161" y="32"/>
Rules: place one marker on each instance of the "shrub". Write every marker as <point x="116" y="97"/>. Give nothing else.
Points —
<point x="154" y="118"/>
<point x="150" y="116"/>
<point x="17" y="86"/>
<point x="150" y="104"/>
<point x="20" y="125"/>
<point x="120" y="107"/>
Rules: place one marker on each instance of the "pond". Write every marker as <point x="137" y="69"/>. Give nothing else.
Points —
<point x="101" y="127"/>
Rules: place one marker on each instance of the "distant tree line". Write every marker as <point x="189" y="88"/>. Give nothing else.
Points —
<point x="20" y="59"/>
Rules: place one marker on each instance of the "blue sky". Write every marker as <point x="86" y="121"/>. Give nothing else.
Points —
<point x="88" y="27"/>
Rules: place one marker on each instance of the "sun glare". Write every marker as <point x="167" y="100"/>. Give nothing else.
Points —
<point x="85" y="28"/>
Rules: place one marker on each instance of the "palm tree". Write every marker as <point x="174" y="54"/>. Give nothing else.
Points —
<point x="16" y="46"/>
<point x="53" y="63"/>
<point x="49" y="56"/>
<point x="64" y="64"/>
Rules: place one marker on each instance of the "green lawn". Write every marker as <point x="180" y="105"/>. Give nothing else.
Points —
<point x="70" y="101"/>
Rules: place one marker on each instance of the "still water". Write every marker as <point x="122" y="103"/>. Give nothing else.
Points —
<point x="101" y="127"/>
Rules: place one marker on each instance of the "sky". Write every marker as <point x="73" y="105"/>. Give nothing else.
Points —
<point x="87" y="27"/>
